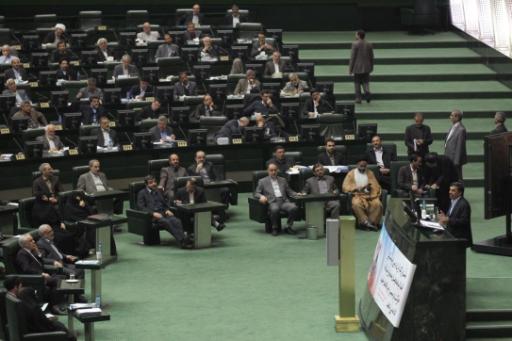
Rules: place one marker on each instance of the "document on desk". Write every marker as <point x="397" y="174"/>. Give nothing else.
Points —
<point x="431" y="225"/>
<point x="89" y="312"/>
<point x="87" y="262"/>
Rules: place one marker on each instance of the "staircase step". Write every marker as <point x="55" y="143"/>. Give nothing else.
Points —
<point x="413" y="72"/>
<point x="437" y="105"/>
<point x="427" y="90"/>
<point x="489" y="315"/>
<point x="489" y="329"/>
<point x="401" y="56"/>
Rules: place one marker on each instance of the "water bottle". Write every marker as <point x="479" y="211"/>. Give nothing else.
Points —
<point x="97" y="301"/>
<point x="99" y="254"/>
<point x="423" y="209"/>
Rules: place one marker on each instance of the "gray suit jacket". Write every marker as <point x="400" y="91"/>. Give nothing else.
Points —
<point x="455" y="146"/>
<point x="241" y="86"/>
<point x="86" y="182"/>
<point x="49" y="254"/>
<point x="46" y="145"/>
<point x="361" y="57"/>
<point x="132" y="70"/>
<point x="155" y="133"/>
<point x="167" y="177"/>
<point x="265" y="188"/>
<point x="311" y="186"/>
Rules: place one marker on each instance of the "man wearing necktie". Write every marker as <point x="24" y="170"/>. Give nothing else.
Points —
<point x="458" y="218"/>
<point x="51" y="253"/>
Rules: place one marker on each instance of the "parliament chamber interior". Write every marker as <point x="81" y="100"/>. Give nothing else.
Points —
<point x="283" y="170"/>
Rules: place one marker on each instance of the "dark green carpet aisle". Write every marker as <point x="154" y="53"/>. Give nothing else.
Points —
<point x="251" y="286"/>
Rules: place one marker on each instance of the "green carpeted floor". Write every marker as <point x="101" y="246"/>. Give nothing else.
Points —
<point x="251" y="286"/>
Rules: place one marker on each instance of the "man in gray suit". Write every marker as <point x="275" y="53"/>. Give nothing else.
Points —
<point x="320" y="184"/>
<point x="126" y="69"/>
<point x="169" y="174"/>
<point x="361" y="65"/>
<point x="168" y="49"/>
<point x="248" y="84"/>
<point x="275" y="192"/>
<point x="162" y="132"/>
<point x="455" y="142"/>
<point x="93" y="181"/>
<point x="51" y="142"/>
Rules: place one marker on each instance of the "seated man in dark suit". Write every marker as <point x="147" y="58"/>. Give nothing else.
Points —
<point x="51" y="141"/>
<point x="233" y="127"/>
<point x="154" y="110"/>
<point x="141" y="91"/>
<point x="276" y="66"/>
<point x="184" y="87"/>
<point x="46" y="189"/>
<point x="191" y="34"/>
<point x="208" y="51"/>
<point x="93" y="113"/>
<point x="35" y="320"/>
<point x="30" y="261"/>
<point x="162" y="132"/>
<point x="204" y="169"/>
<point x="207" y="108"/>
<point x="16" y="72"/>
<point x="106" y="137"/>
<point x="103" y="52"/>
<point x="261" y="50"/>
<point x="66" y="72"/>
<point x="263" y="106"/>
<point x="275" y="191"/>
<point x="410" y="178"/>
<point x="270" y="129"/>
<point x="330" y="157"/>
<point x="234" y="18"/>
<point x="62" y="52"/>
<point x="439" y="172"/>
<point x="458" y="218"/>
<point x="316" y="105"/>
<point x="193" y="194"/>
<point x="377" y="155"/>
<point x="51" y="252"/>
<point x="282" y="162"/>
<point x="150" y="199"/>
<point x="169" y="174"/>
<point x="195" y="17"/>
<point x="320" y="184"/>
<point x="126" y="68"/>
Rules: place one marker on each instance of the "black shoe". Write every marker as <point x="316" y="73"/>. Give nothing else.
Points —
<point x="55" y="310"/>
<point x="275" y="232"/>
<point x="289" y="230"/>
<point x="371" y="227"/>
<point x="220" y="226"/>
<point x="357" y="100"/>
<point x="368" y="98"/>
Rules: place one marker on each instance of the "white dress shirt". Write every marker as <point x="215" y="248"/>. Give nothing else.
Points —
<point x="378" y="156"/>
<point x="98" y="183"/>
<point x="275" y="187"/>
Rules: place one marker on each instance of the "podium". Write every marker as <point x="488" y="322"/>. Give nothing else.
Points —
<point x="435" y="307"/>
<point x="104" y="201"/>
<point x="202" y="220"/>
<point x="314" y="205"/>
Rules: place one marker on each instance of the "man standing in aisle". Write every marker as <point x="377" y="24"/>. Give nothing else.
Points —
<point x="455" y="142"/>
<point x="361" y="65"/>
